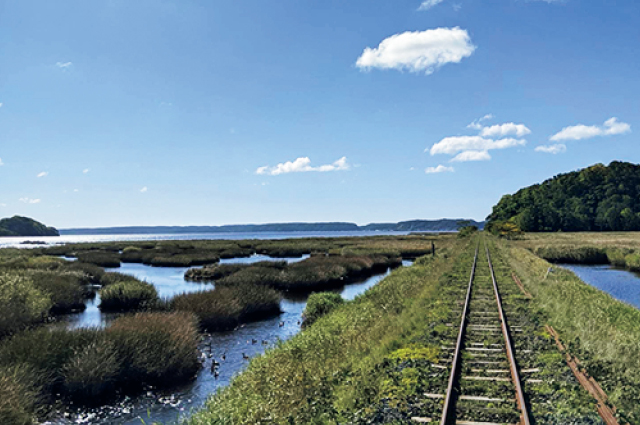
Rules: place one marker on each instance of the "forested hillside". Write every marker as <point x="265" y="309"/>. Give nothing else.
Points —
<point x="24" y="226"/>
<point x="597" y="198"/>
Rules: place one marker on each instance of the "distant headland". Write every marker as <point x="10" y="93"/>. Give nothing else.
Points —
<point x="25" y="226"/>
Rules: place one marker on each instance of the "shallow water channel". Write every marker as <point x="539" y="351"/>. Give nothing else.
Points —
<point x="623" y="285"/>
<point x="248" y="340"/>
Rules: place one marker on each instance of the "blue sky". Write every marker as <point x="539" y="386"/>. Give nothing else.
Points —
<point x="156" y="112"/>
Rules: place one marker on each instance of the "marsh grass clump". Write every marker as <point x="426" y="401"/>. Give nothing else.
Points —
<point x="100" y="258"/>
<point x="18" y="396"/>
<point x="226" y="307"/>
<point x="127" y="295"/>
<point x="155" y="348"/>
<point x="65" y="289"/>
<point x="90" y="366"/>
<point x="319" y="304"/>
<point x="573" y="254"/>
<point x="315" y="273"/>
<point x="23" y="304"/>
<point x="218" y="271"/>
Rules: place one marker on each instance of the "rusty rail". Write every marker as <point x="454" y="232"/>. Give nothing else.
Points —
<point x="448" y="410"/>
<point x="515" y="376"/>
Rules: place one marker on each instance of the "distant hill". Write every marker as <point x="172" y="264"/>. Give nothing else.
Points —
<point x="597" y="198"/>
<point x="406" y="226"/>
<point x="24" y="226"/>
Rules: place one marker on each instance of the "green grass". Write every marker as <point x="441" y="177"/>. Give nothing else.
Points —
<point x="23" y="304"/>
<point x="319" y="304"/>
<point x="600" y="330"/>
<point x="127" y="295"/>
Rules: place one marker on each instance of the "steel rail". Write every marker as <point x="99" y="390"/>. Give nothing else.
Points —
<point x="448" y="410"/>
<point x="524" y="415"/>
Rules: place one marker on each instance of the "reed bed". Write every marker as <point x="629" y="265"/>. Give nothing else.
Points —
<point x="90" y="366"/>
<point x="224" y="308"/>
<point x="315" y="273"/>
<point x="319" y="304"/>
<point x="127" y="295"/>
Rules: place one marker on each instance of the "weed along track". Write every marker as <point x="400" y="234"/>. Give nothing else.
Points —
<point x="484" y="385"/>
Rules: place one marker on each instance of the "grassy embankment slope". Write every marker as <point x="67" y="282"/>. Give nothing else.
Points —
<point x="602" y="332"/>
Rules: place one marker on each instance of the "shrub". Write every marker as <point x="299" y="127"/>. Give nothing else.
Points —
<point x="226" y="307"/>
<point x="127" y="295"/>
<point x="22" y="303"/>
<point x="320" y="304"/>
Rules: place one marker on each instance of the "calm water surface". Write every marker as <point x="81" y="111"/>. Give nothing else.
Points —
<point x="167" y="407"/>
<point x="620" y="284"/>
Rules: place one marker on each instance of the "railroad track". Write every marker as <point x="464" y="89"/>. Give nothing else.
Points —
<point x="484" y="386"/>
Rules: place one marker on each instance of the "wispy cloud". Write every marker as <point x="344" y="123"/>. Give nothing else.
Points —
<point x="476" y="124"/>
<point x="85" y="171"/>
<point x="428" y="4"/>
<point x="553" y="149"/>
<point x="144" y="189"/>
<point x="439" y="169"/>
<point x="29" y="200"/>
<point x="1" y="104"/>
<point x="580" y="132"/>
<point x="507" y="129"/>
<point x="42" y="174"/>
<point x="64" y="65"/>
<point x="1" y="163"/>
<point x="467" y="156"/>
<point x="3" y="205"/>
<point x="303" y="164"/>
<point x="419" y="51"/>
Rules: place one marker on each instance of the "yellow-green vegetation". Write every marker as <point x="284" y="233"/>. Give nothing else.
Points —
<point x="128" y="294"/>
<point x="319" y="304"/>
<point x="618" y="249"/>
<point x="602" y="332"/>
<point x="88" y="366"/>
<point x="22" y="303"/>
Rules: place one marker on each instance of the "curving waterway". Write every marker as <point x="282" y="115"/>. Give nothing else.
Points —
<point x="622" y="285"/>
<point x="250" y="340"/>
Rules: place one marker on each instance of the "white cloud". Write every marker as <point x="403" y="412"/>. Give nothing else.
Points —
<point x="303" y="164"/>
<point x="476" y="123"/>
<point x="86" y="170"/>
<point x="466" y="156"/>
<point x="507" y="129"/>
<point x="580" y="132"/>
<point x="144" y="189"/>
<point x="453" y="145"/>
<point x="64" y="65"/>
<point x="438" y="169"/>
<point x="3" y="205"/>
<point x="1" y="104"/>
<point x="554" y="149"/>
<point x="428" y="4"/>
<point x="42" y="174"/>
<point x="1" y="163"/>
<point x="29" y="200"/>
<point x="75" y="190"/>
<point x="419" y="51"/>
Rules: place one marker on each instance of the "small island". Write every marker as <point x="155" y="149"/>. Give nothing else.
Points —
<point x="25" y="226"/>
